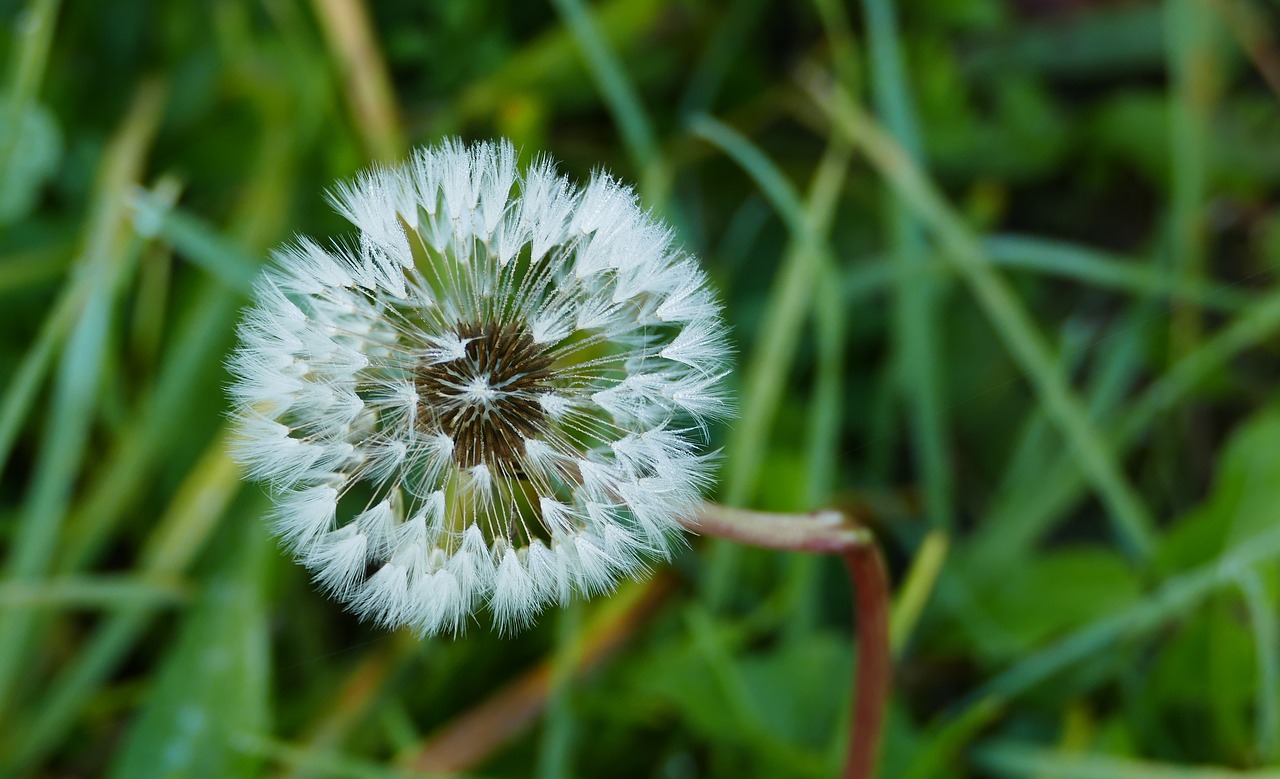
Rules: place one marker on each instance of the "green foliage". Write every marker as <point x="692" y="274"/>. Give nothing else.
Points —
<point x="36" y="146"/>
<point x="1011" y="294"/>
<point x="213" y="684"/>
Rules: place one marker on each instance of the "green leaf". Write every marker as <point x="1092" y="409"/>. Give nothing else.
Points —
<point x="1245" y="495"/>
<point x="776" y="702"/>
<point x="1036" y="601"/>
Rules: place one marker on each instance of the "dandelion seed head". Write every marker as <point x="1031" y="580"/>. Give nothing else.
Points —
<point x="494" y="396"/>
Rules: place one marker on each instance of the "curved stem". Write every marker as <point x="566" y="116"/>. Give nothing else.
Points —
<point x="826" y="531"/>
<point x="831" y="532"/>
<point x="874" y="677"/>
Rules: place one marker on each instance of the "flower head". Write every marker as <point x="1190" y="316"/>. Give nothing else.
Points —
<point x="492" y="397"/>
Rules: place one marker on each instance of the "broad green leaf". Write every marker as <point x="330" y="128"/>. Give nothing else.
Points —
<point x="794" y="692"/>
<point x="1036" y="601"/>
<point x="1245" y="498"/>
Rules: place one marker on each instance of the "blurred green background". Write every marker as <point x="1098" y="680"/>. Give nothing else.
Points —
<point x="1024" y="322"/>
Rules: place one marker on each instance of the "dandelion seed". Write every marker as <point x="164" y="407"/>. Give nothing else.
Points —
<point x="494" y="397"/>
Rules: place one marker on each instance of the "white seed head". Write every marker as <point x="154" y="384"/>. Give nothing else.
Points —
<point x="494" y="397"/>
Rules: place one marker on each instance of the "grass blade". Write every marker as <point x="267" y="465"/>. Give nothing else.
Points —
<point x="1017" y="760"/>
<point x="1100" y="269"/>
<point x="555" y="745"/>
<point x="74" y="395"/>
<point x="771" y="360"/>
<point x="620" y="95"/>
<point x="1173" y="598"/>
<point x="90" y="592"/>
<point x="326" y="763"/>
<point x="201" y="335"/>
<point x="33" y="36"/>
<point x="1193" y="70"/>
<point x="1266" y="643"/>
<point x="916" y="318"/>
<point x="180" y="535"/>
<point x="727" y="40"/>
<point x="196" y="241"/>
<point x="1011" y="320"/>
<point x="214" y="683"/>
<point x="368" y="88"/>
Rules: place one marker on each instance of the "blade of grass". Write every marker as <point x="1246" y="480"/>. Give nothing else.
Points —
<point x="91" y="592"/>
<point x="1063" y="484"/>
<point x="1192" y="65"/>
<point x="20" y="271"/>
<point x="324" y="763"/>
<point x="33" y="36"/>
<point x="1101" y="269"/>
<point x="149" y="317"/>
<point x="825" y="418"/>
<point x="75" y="387"/>
<point x="1009" y="317"/>
<point x="739" y="704"/>
<point x="942" y="751"/>
<point x="205" y="328"/>
<point x="195" y="508"/>
<point x="398" y="726"/>
<point x="1173" y="598"/>
<point x="1256" y="323"/>
<point x="1256" y="38"/>
<point x="213" y="682"/>
<point x="1037" y="441"/>
<point x="773" y="185"/>
<point x="1017" y="760"/>
<point x="771" y="360"/>
<point x="915" y="315"/>
<point x="35" y="363"/>
<point x="128" y="466"/>
<point x="1082" y="264"/>
<point x="917" y="588"/>
<point x="840" y="39"/>
<point x="826" y="401"/>
<point x="1019" y="514"/>
<point x="181" y="533"/>
<point x="552" y="58"/>
<point x="367" y="84"/>
<point x="22" y="387"/>
<point x="728" y="38"/>
<point x="620" y="96"/>
<point x="195" y="240"/>
<point x="763" y="385"/>
<point x="822" y="450"/>
<point x="556" y="742"/>
<point x="1266" y="646"/>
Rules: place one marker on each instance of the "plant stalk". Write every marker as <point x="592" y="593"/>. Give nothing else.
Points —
<point x="831" y="532"/>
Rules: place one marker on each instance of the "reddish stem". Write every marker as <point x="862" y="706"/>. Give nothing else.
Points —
<point x="874" y="677"/>
<point x="831" y="532"/>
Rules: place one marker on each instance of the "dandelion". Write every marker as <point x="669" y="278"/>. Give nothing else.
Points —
<point x="496" y="395"/>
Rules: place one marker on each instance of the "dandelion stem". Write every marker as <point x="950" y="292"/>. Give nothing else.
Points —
<point x="874" y="675"/>
<point x="821" y="531"/>
<point x="831" y="532"/>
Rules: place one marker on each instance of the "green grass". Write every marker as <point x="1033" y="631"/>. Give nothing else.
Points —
<point x="1003" y="281"/>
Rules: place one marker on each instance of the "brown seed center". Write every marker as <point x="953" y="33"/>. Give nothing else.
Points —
<point x="486" y="400"/>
